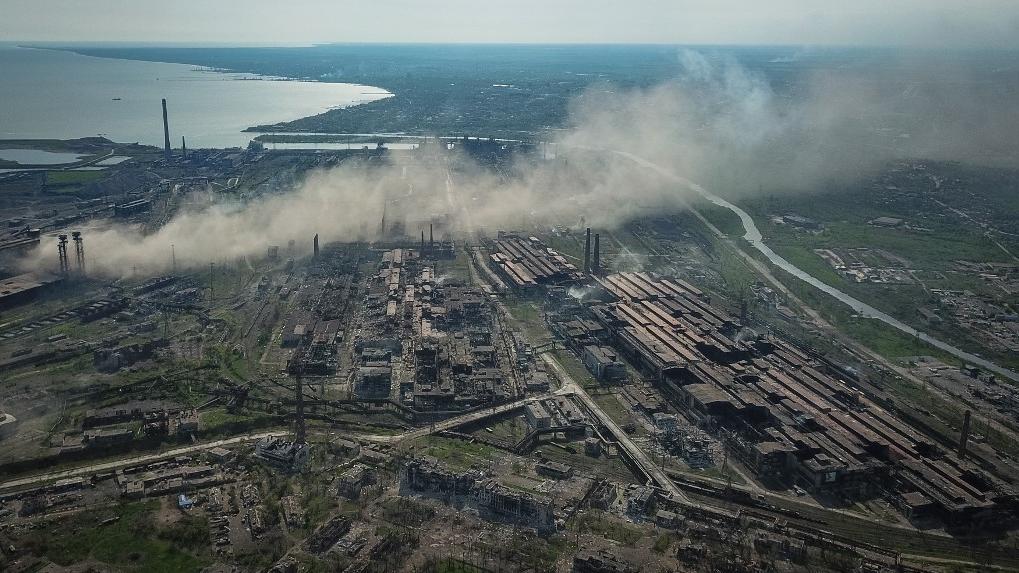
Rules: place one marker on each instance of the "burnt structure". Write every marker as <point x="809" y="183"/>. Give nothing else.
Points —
<point x="432" y="343"/>
<point x="474" y="490"/>
<point x="284" y="455"/>
<point x="780" y="410"/>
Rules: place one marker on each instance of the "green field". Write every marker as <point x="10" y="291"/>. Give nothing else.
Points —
<point x="453" y="452"/>
<point x="71" y="177"/>
<point x="723" y="219"/>
<point x="131" y="543"/>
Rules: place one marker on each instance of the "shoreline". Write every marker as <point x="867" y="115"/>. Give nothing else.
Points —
<point x="364" y="93"/>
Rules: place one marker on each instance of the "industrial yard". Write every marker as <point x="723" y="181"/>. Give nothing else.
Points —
<point x="459" y="353"/>
<point x="427" y="397"/>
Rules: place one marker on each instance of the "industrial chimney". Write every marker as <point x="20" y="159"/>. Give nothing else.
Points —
<point x="596" y="264"/>
<point x="316" y="245"/>
<point x="79" y="252"/>
<point x="587" y="252"/>
<point x="62" y="254"/>
<point x="166" y="133"/>
<point x="965" y="435"/>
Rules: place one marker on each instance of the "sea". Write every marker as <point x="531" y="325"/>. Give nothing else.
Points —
<point x="55" y="94"/>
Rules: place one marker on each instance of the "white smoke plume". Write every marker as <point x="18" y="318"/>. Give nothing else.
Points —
<point x="718" y="123"/>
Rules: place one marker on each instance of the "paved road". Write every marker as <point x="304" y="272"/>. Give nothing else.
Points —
<point x="132" y="461"/>
<point x="570" y="386"/>
<point x="450" y="423"/>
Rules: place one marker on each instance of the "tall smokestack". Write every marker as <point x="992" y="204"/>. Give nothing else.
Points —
<point x="299" y="429"/>
<point x="79" y="252"/>
<point x="431" y="238"/>
<point x="166" y="133"/>
<point x="183" y="148"/>
<point x="596" y="265"/>
<point x="587" y="252"/>
<point x="965" y="435"/>
<point x="316" y="245"/>
<point x="65" y="267"/>
<point x="422" y="240"/>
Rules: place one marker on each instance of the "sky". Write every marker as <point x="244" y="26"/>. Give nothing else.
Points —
<point x="914" y="23"/>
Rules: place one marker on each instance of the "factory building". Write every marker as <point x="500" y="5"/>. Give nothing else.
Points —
<point x="132" y="207"/>
<point x="526" y="263"/>
<point x="24" y="288"/>
<point x="604" y="364"/>
<point x="791" y="422"/>
<point x="537" y="416"/>
<point x="282" y="454"/>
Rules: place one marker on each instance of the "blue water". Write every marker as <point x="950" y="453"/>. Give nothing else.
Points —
<point x="62" y="95"/>
<point x="37" y="156"/>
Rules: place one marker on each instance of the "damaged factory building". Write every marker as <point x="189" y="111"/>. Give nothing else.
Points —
<point x="786" y="415"/>
<point x="434" y="345"/>
<point x="475" y="491"/>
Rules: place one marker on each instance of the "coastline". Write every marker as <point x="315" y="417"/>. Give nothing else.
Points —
<point x="296" y="103"/>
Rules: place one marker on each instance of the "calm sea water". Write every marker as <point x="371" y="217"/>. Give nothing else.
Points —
<point x="61" y="95"/>
<point x="37" y="156"/>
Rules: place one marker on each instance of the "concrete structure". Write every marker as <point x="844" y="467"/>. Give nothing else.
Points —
<point x="23" y="288"/>
<point x="107" y="438"/>
<point x="166" y="134"/>
<point x="587" y="251"/>
<point x="473" y="490"/>
<point x="537" y="417"/>
<point x="282" y="454"/>
<point x="603" y="363"/>
<point x="132" y="207"/>
<point x="351" y="482"/>
<point x="8" y="425"/>
<point x="554" y="470"/>
<point x="886" y="222"/>
<point x="600" y="562"/>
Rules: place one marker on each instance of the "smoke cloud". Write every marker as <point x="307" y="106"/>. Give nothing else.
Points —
<point x="735" y="130"/>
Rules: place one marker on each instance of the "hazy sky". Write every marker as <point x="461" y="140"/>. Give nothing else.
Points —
<point x="934" y="23"/>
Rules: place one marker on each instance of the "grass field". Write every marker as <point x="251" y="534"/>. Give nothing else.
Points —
<point x="526" y="316"/>
<point x="131" y="543"/>
<point x="455" y="453"/>
<point x="608" y="526"/>
<point x="723" y="219"/>
<point x="219" y="422"/>
<point x="68" y="178"/>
